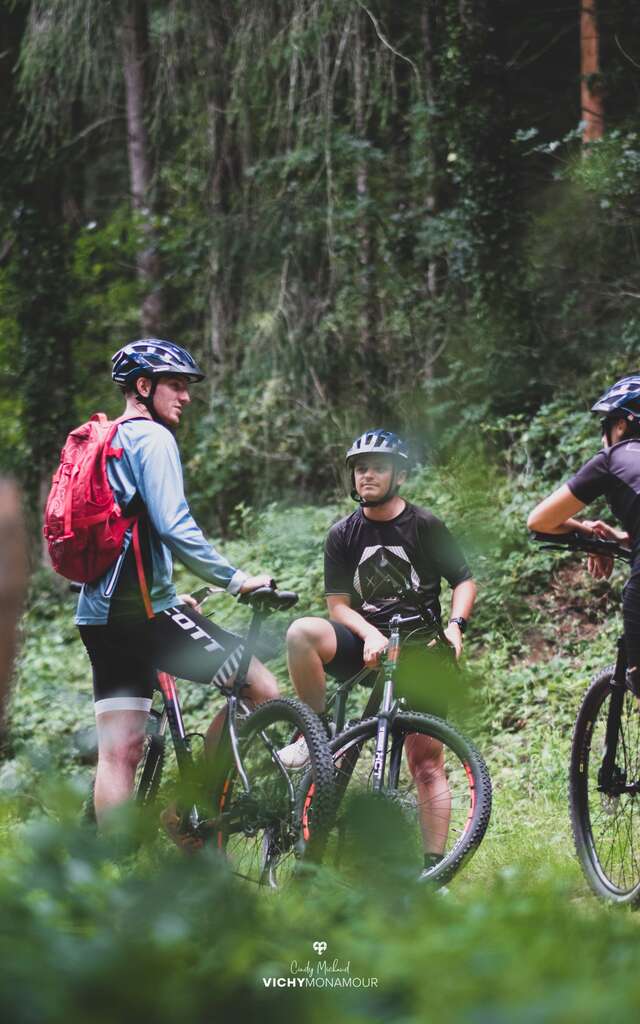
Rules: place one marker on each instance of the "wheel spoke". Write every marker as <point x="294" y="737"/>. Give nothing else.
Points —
<point x="265" y="831"/>
<point x="606" y="823"/>
<point x="432" y="808"/>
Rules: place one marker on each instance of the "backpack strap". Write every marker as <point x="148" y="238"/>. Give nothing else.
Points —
<point x="68" y="504"/>
<point x="109" y="452"/>
<point x="137" y="551"/>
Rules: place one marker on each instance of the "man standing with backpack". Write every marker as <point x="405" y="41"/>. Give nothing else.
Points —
<point x="131" y="620"/>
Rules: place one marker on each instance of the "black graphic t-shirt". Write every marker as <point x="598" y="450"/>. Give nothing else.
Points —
<point x="614" y="473"/>
<point x="361" y="554"/>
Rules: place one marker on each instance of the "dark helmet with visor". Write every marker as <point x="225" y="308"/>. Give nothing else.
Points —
<point x="378" y="442"/>
<point x="622" y="401"/>
<point x="151" y="357"/>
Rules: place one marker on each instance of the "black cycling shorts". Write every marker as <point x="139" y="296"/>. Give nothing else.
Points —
<point x="126" y="658"/>
<point x="422" y="675"/>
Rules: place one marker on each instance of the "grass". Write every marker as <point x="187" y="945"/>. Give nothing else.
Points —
<point x="87" y="934"/>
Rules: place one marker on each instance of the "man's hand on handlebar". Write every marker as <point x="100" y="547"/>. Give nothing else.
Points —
<point x="601" y="566"/>
<point x="602" y="529"/>
<point x="189" y="600"/>
<point x="254" y="582"/>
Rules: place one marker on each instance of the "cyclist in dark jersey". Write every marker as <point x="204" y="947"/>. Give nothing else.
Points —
<point x="125" y="646"/>
<point x="613" y="473"/>
<point x="386" y="536"/>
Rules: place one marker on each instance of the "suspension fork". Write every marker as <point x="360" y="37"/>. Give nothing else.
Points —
<point x="606" y="771"/>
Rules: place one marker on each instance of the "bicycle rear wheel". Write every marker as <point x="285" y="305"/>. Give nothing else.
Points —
<point x="605" y="811"/>
<point x="267" y="831"/>
<point x="438" y="804"/>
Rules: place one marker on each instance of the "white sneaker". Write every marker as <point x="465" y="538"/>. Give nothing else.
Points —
<point x="296" y="755"/>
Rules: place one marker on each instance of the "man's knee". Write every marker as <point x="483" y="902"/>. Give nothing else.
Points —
<point x="263" y="685"/>
<point x="125" y="750"/>
<point x="305" y="634"/>
<point x="425" y="756"/>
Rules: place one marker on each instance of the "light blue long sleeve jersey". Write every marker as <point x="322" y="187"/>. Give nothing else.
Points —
<point x="150" y="466"/>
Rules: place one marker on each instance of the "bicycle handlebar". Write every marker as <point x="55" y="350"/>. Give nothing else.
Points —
<point x="263" y="599"/>
<point x="576" y="541"/>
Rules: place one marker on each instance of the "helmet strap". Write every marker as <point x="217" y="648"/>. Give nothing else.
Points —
<point x="147" y="400"/>
<point x="394" y="487"/>
<point x="607" y="425"/>
<point x="632" y="428"/>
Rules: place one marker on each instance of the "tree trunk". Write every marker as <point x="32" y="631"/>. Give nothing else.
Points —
<point x="435" y="268"/>
<point x="222" y="279"/>
<point x="366" y="272"/>
<point x="47" y="328"/>
<point x="592" y="109"/>
<point x="12" y="579"/>
<point x="135" y="49"/>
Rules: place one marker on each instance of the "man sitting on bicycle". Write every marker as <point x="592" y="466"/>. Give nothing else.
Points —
<point x="125" y="646"/>
<point x="386" y="534"/>
<point x="614" y="473"/>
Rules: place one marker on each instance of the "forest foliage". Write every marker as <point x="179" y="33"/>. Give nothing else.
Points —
<point x="353" y="214"/>
<point x="356" y="213"/>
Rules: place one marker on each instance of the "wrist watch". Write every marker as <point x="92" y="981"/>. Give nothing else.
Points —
<point x="462" y="623"/>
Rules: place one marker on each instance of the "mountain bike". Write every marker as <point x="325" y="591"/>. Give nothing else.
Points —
<point x="443" y="803"/>
<point x="242" y="800"/>
<point x="604" y="769"/>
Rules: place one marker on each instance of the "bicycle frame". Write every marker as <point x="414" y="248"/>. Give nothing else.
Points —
<point x="606" y="772"/>
<point x="171" y="716"/>
<point x="575" y="541"/>
<point x="386" y="707"/>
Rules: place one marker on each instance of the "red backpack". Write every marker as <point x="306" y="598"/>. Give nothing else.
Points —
<point x="83" y="524"/>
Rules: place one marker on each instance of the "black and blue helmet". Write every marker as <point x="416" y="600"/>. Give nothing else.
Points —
<point x="384" y="442"/>
<point x="622" y="400"/>
<point x="151" y="357"/>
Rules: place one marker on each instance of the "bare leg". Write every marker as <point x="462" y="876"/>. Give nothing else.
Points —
<point x="425" y="757"/>
<point x="261" y="686"/>
<point x="120" y="739"/>
<point x="311" y="643"/>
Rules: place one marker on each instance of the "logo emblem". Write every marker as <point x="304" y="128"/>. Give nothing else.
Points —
<point x="319" y="947"/>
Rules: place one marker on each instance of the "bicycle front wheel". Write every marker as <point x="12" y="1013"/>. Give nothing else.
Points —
<point x="268" y="825"/>
<point x="604" y="801"/>
<point x="436" y="798"/>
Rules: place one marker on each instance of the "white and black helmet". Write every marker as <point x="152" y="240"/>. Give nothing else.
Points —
<point x="379" y="442"/>
<point x="384" y="442"/>
<point x="151" y="357"/>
